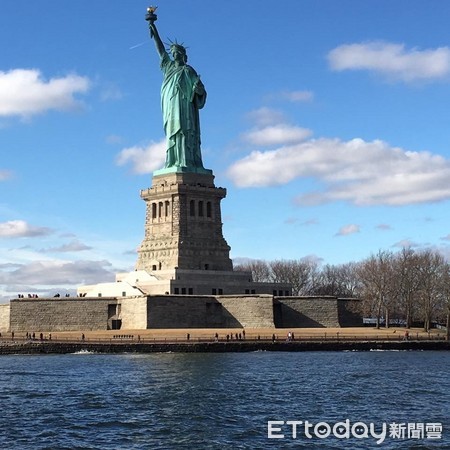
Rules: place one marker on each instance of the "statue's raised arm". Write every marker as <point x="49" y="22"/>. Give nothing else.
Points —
<point x="182" y="96"/>
<point x="151" y="18"/>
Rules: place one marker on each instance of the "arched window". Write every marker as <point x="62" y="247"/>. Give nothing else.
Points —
<point x="167" y="208"/>
<point x="160" y="209"/>
<point x="200" y="208"/>
<point x="153" y="210"/>
<point x="208" y="209"/>
<point x="192" y="208"/>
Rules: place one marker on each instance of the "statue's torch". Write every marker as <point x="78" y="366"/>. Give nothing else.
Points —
<point x="151" y="16"/>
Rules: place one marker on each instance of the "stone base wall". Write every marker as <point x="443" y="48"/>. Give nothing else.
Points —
<point x="349" y="311"/>
<point x="60" y="314"/>
<point x="171" y="311"/>
<point x="251" y="311"/>
<point x="314" y="312"/>
<point x="4" y="318"/>
<point x="177" y="311"/>
<point x="133" y="313"/>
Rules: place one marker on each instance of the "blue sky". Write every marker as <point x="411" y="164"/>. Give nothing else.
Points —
<point x="327" y="122"/>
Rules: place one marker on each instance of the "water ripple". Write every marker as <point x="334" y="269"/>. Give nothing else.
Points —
<point x="215" y="401"/>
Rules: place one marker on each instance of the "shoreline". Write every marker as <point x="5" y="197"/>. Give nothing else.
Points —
<point x="53" y="347"/>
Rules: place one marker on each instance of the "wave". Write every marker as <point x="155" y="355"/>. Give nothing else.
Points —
<point x="84" y="352"/>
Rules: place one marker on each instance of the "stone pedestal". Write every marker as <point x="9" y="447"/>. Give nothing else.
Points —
<point x="183" y="225"/>
<point x="183" y="251"/>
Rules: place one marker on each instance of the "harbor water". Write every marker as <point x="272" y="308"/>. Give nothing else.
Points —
<point x="255" y="400"/>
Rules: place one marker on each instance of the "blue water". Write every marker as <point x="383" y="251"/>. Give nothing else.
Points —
<point x="217" y="401"/>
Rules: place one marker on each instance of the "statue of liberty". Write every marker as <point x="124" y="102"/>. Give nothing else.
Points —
<point x="182" y="96"/>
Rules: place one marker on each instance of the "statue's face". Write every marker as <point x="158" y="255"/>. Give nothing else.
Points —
<point x="178" y="56"/>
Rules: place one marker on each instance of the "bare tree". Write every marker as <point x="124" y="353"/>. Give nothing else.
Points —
<point x="260" y="270"/>
<point x="349" y="279"/>
<point x="328" y="281"/>
<point x="299" y="273"/>
<point x="413" y="284"/>
<point x="407" y="284"/>
<point x="377" y="277"/>
<point x="445" y="289"/>
<point x="341" y="280"/>
<point x="430" y="268"/>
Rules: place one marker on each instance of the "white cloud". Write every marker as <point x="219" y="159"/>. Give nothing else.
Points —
<point x="446" y="238"/>
<point x="264" y="116"/>
<point x="143" y="159"/>
<point x="392" y="60"/>
<point x="114" y="139"/>
<point x="305" y="223"/>
<point x="384" y="227"/>
<point x="73" y="246"/>
<point x="406" y="243"/>
<point x="312" y="259"/>
<point x="297" y="96"/>
<point x="5" y="175"/>
<point x="276" y="135"/>
<point x="445" y="252"/>
<point x="291" y="221"/>
<point x="56" y="273"/>
<point x="110" y="92"/>
<point x="290" y="96"/>
<point x="20" y="228"/>
<point x="24" y="92"/>
<point x="360" y="172"/>
<point x="348" y="229"/>
<point x="310" y="222"/>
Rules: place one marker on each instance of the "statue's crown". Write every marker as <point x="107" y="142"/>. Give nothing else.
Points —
<point x="177" y="46"/>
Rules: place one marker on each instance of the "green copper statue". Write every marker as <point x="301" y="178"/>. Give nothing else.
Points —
<point x="182" y="96"/>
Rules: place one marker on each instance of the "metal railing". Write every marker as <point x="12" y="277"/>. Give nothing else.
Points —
<point x="137" y="339"/>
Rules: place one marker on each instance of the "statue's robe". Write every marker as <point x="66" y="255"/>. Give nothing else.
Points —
<point x="180" y="107"/>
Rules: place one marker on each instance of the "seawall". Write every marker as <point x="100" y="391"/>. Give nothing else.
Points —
<point x="48" y="347"/>
<point x="177" y="311"/>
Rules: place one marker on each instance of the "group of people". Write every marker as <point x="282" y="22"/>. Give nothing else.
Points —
<point x="32" y="336"/>
<point x="229" y="336"/>
<point x="28" y="336"/>
<point x="36" y="296"/>
<point x="236" y="337"/>
<point x="241" y="336"/>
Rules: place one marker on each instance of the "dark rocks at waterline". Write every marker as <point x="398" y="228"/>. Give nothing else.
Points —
<point x="47" y="347"/>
